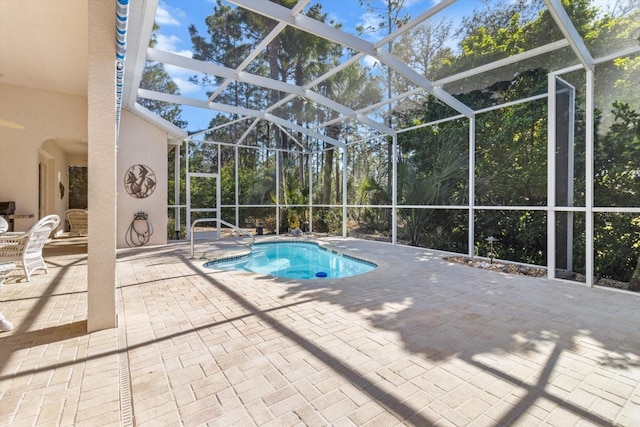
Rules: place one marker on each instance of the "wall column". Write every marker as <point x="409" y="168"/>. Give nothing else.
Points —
<point x="101" y="126"/>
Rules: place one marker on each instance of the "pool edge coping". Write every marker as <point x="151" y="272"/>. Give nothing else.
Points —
<point x="328" y="246"/>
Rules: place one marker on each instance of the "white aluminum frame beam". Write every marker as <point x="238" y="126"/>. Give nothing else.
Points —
<point x="247" y="132"/>
<point x="298" y="8"/>
<point x="423" y="82"/>
<point x="263" y="44"/>
<point x="293" y="138"/>
<point x="503" y="62"/>
<point x="589" y="185"/>
<point x="265" y="82"/>
<point x="224" y="125"/>
<point x="179" y="99"/>
<point x="472" y="188"/>
<point x="551" y="178"/>
<point x="304" y="23"/>
<point x="563" y="22"/>
<point x="469" y="73"/>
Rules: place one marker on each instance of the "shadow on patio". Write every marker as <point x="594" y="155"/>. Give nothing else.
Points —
<point x="418" y="341"/>
<point x="542" y="345"/>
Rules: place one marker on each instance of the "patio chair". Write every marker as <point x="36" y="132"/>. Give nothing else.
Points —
<point x="4" y="225"/>
<point x="78" y="221"/>
<point x="5" y="269"/>
<point x="26" y="248"/>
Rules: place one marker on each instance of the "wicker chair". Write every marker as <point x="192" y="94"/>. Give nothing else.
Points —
<point x="78" y="221"/>
<point x="5" y="269"/>
<point x="26" y="248"/>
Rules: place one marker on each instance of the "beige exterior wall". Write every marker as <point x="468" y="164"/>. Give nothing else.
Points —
<point x="47" y="118"/>
<point x="141" y="143"/>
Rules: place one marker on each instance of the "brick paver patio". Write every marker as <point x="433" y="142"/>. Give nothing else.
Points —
<point x="419" y="341"/>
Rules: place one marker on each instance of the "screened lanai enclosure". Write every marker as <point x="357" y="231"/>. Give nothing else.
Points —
<point x="441" y="125"/>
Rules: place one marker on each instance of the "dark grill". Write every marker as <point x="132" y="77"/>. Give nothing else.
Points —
<point x="7" y="209"/>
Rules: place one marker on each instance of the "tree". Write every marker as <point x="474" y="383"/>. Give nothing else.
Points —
<point x="355" y="88"/>
<point x="434" y="181"/>
<point x="424" y="48"/>
<point x="510" y="161"/>
<point x="291" y="56"/>
<point x="617" y="183"/>
<point x="511" y="143"/>
<point x="390" y="17"/>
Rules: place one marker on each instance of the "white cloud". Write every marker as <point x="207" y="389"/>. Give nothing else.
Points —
<point x="179" y="75"/>
<point x="175" y="71"/>
<point x="372" y="20"/>
<point x="166" y="17"/>
<point x="170" y="43"/>
<point x="167" y="43"/>
<point x="370" y="61"/>
<point x="186" y="53"/>
<point x="185" y="86"/>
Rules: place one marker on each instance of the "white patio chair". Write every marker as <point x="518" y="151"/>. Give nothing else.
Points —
<point x="5" y="269"/>
<point x="26" y="248"/>
<point x="4" y="225"/>
<point x="78" y="221"/>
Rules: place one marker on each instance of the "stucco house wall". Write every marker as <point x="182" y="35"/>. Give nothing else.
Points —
<point x="141" y="143"/>
<point x="46" y="117"/>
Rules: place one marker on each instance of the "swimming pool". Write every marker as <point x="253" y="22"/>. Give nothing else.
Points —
<point x="294" y="260"/>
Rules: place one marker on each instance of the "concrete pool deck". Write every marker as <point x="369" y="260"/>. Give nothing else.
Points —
<point x="418" y="341"/>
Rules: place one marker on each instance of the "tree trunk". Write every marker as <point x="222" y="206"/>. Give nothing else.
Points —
<point x="326" y="181"/>
<point x="333" y="131"/>
<point x="272" y="54"/>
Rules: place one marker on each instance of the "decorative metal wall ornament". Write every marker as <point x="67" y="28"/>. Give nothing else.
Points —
<point x="140" y="181"/>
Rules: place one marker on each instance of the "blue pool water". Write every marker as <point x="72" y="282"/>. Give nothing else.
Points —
<point x="294" y="260"/>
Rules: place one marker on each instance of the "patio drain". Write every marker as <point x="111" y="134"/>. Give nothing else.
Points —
<point x="126" y="405"/>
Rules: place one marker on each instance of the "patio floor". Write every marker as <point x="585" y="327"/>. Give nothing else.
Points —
<point x="419" y="341"/>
